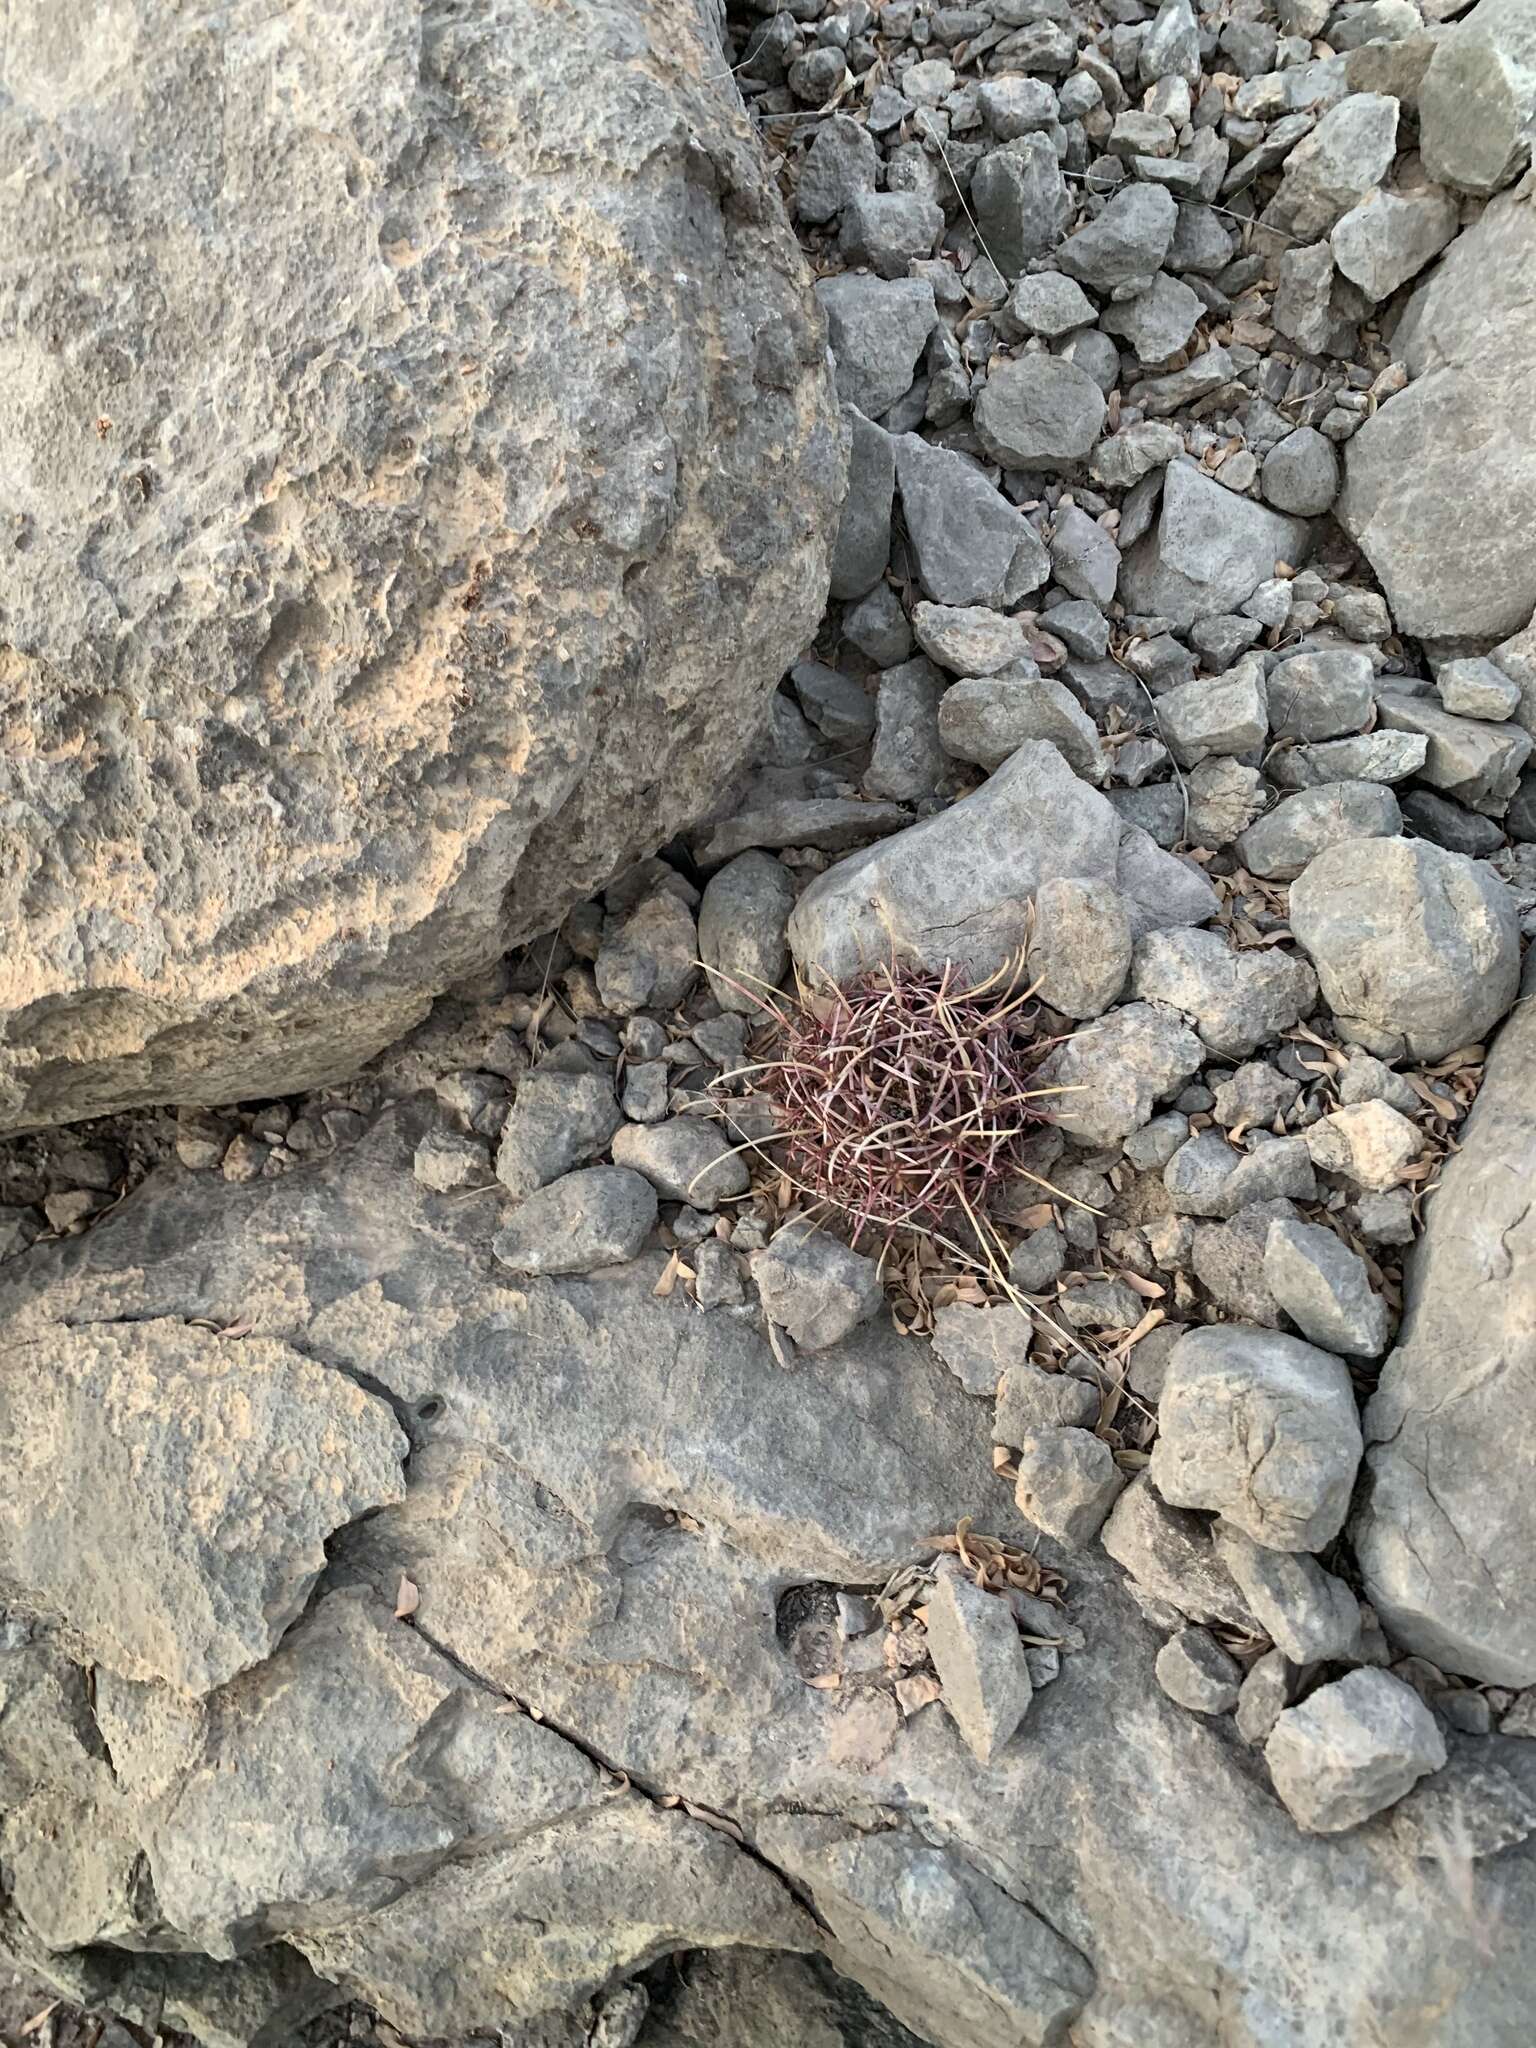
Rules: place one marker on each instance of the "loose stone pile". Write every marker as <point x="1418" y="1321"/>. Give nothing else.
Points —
<point x="1116" y="1628"/>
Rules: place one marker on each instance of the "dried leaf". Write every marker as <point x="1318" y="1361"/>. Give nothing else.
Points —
<point x="1147" y="1289"/>
<point x="408" y="1599"/>
<point x="829" y="1681"/>
<point x="241" y="1329"/>
<point x="711" y="1819"/>
<point x="669" y="1277"/>
<point x="1148" y="1323"/>
<point x="39" y="2019"/>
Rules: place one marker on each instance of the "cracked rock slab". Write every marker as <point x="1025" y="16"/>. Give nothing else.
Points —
<point x="169" y="1493"/>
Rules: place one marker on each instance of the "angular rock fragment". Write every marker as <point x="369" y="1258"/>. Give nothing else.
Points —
<point x="979" y="1657"/>
<point x="599" y="1216"/>
<point x="815" y="1287"/>
<point x="1351" y="1749"/>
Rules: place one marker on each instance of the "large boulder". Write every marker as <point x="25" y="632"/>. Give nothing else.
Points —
<point x="633" y="1519"/>
<point x="421" y="461"/>
<point x="1440" y="484"/>
<point x="1448" y="1525"/>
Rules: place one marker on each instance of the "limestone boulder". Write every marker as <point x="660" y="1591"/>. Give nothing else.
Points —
<point x="421" y="464"/>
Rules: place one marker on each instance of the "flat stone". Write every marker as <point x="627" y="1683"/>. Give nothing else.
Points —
<point x="877" y="327"/>
<point x="742" y="921"/>
<point x="1416" y="949"/>
<point x="831" y="824"/>
<point x="816" y="1287"/>
<point x="1390" y="236"/>
<point x="1239" y="1000"/>
<point x="685" y="1159"/>
<point x="907" y="760"/>
<point x="1039" y="412"/>
<point x="863" y="544"/>
<point x="979" y="1658"/>
<point x="1197" y="1674"/>
<point x="600" y="1216"/>
<point x="1208" y="552"/>
<point x="1325" y="1290"/>
<point x="1308" y="1614"/>
<point x="986" y="719"/>
<point x="217" y="1468"/>
<point x="957" y="886"/>
<point x="1320" y="696"/>
<point x="1278" y="846"/>
<point x="1351" y="1750"/>
<point x="1169" y="1554"/>
<point x="968" y="640"/>
<point x="1068" y="1481"/>
<point x="1477" y="763"/>
<point x="1463" y="433"/>
<point x="971" y="546"/>
<point x="979" y="1344"/>
<point x="1368" y="757"/>
<point x="1224" y="714"/>
<point x="1263" y="1429"/>
<point x="1113" y="1071"/>
<point x="1080" y="952"/>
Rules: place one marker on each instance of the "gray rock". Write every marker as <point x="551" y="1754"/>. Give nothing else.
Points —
<point x="1390" y="236"/>
<point x="889" y="230"/>
<point x="600" y="1216"/>
<point x="1197" y="1674"/>
<point x="1171" y="46"/>
<point x="1084" y="558"/>
<point x="1157" y="322"/>
<point x="1369" y="757"/>
<point x="1263" y="1429"/>
<point x="1208" y="552"/>
<point x="908" y="759"/>
<point x="216" y="1471"/>
<point x="685" y="1159"/>
<point x="1176" y="389"/>
<point x="986" y="719"/>
<point x="320" y="794"/>
<point x="1266" y="1693"/>
<point x="830" y="823"/>
<point x="1239" y="1000"/>
<point x="1256" y="1094"/>
<point x="1037" y="1259"/>
<point x="1011" y="107"/>
<point x="1387" y="1217"/>
<point x="878" y="627"/>
<point x="1226" y="714"/>
<point x="1325" y="1290"/>
<point x="837" y="705"/>
<point x="1126" y="244"/>
<point x="1478" y="688"/>
<point x="1134" y="452"/>
<point x="1444" y="1530"/>
<point x="863" y="544"/>
<point x="1477" y="102"/>
<point x="815" y="1287"/>
<point x="978" y="1344"/>
<point x="1301" y="473"/>
<point x="1039" y="412"/>
<point x="1415" y="948"/>
<point x="968" y="640"/>
<point x="1021" y="202"/>
<point x="742" y="921"/>
<point x="841" y="161"/>
<point x="979" y="1658"/>
<point x="1463" y="433"/>
<point x="1476" y="763"/>
<point x="1285" y="840"/>
<point x="957" y="886"/>
<point x="564" y="1114"/>
<point x="1170" y="1556"/>
<point x="1116" y="1068"/>
<point x="648" y="956"/>
<point x="1368" y="1079"/>
<point x="1228" y="1261"/>
<point x="1308" y="1614"/>
<point x="1045" y="303"/>
<point x="1080" y="953"/>
<point x="1068" y="1482"/>
<point x="1329" y="171"/>
<point x="647" y="1091"/>
<point x="1369" y="1143"/>
<point x="1351" y="1750"/>
<point x="449" y="1160"/>
<point x="1150" y="1149"/>
<point x="1224" y="797"/>
<point x="1033" y="1403"/>
<point x="878" y="327"/>
<point x="1196" y="1175"/>
<point x="1320" y="696"/>
<point x="970" y="544"/>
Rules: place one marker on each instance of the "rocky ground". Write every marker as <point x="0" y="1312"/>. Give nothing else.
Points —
<point x="479" y="1544"/>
